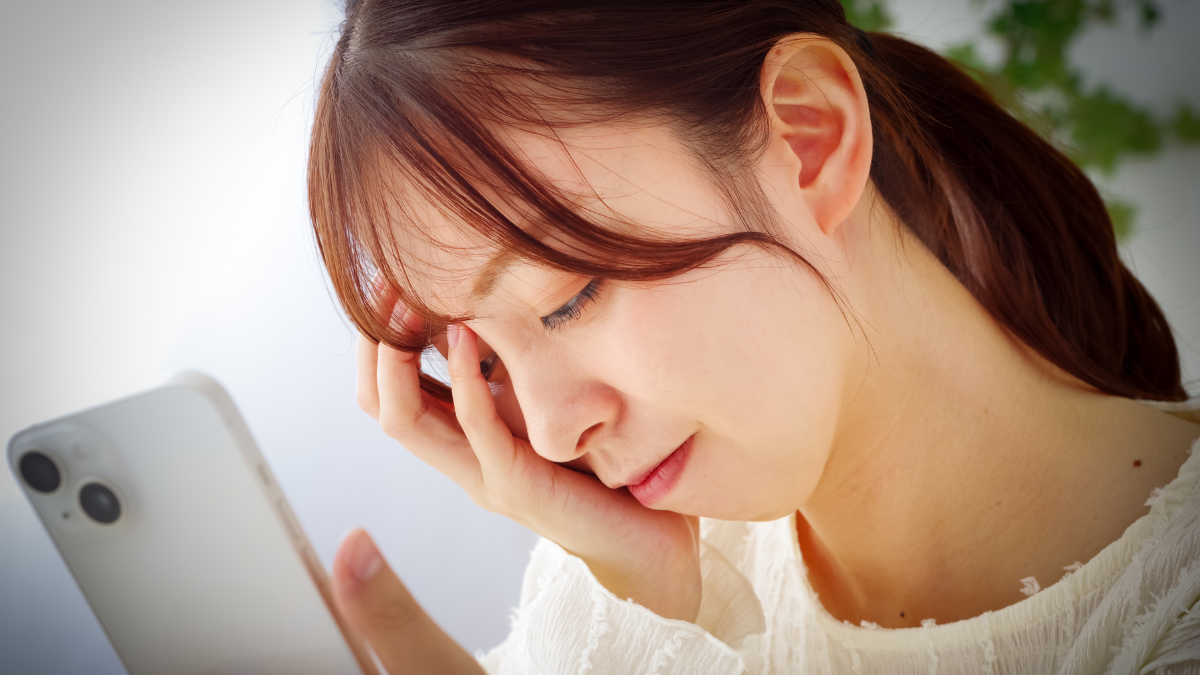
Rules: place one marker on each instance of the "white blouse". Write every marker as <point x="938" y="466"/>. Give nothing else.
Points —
<point x="1134" y="608"/>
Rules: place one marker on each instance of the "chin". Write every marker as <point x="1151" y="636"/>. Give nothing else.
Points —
<point x="756" y="513"/>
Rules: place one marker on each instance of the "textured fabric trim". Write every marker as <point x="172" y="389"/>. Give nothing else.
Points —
<point x="597" y="630"/>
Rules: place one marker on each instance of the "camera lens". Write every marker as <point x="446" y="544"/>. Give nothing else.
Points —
<point x="99" y="503"/>
<point x="40" y="472"/>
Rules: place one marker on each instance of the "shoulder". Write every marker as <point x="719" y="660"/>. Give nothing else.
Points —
<point x="1186" y="410"/>
<point x="1150" y="617"/>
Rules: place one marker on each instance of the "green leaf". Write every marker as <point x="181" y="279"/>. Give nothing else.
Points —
<point x="1105" y="127"/>
<point x="1038" y="83"/>
<point x="1122" y="214"/>
<point x="1186" y="124"/>
<point x="1148" y="14"/>
<point x="869" y="15"/>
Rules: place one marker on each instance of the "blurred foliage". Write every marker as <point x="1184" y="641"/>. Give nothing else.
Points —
<point x="1036" y="80"/>
<point x="869" y="15"/>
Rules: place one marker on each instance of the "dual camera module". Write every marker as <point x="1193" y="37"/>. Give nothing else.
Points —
<point x="98" y="501"/>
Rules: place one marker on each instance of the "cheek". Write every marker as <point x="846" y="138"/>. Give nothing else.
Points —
<point x="757" y="358"/>
<point x="509" y="409"/>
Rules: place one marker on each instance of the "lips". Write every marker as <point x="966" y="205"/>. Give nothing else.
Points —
<point x="658" y="482"/>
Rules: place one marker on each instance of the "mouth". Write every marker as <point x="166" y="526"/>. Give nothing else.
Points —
<point x="656" y="483"/>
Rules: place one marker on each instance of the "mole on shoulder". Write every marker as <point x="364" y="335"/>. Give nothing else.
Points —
<point x="901" y="614"/>
<point x="1137" y="462"/>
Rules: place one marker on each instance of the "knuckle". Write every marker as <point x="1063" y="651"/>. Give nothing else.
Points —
<point x="368" y="404"/>
<point x="480" y="499"/>
<point x="470" y="425"/>
<point x="392" y="426"/>
<point x="462" y="372"/>
<point x="396" y="615"/>
<point x="398" y="423"/>
<point x="488" y="501"/>
<point x="474" y="425"/>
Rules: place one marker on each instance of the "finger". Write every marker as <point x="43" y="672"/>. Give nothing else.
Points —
<point x="409" y="415"/>
<point x="367" y="387"/>
<point x="474" y="406"/>
<point x="384" y="301"/>
<point x="372" y="598"/>
<point x="385" y="297"/>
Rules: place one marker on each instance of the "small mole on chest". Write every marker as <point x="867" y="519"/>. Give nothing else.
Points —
<point x="1137" y="462"/>
<point x="901" y="614"/>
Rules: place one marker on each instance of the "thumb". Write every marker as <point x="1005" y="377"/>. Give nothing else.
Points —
<point x="380" y="608"/>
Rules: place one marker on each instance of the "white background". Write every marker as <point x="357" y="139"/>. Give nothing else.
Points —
<point x="153" y="212"/>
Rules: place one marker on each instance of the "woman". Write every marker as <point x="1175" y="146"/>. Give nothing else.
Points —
<point x="736" y="260"/>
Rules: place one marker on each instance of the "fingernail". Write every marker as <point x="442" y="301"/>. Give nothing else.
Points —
<point x="365" y="559"/>
<point x="452" y="335"/>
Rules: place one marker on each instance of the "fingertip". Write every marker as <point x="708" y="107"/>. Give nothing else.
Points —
<point x="341" y="566"/>
<point x="377" y="606"/>
<point x="463" y="345"/>
<point x="357" y="560"/>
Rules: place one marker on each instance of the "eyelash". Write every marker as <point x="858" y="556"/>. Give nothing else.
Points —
<point x="574" y="307"/>
<point x="487" y="365"/>
<point x="572" y="310"/>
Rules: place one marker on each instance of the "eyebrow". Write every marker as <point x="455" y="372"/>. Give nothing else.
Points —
<point x="492" y="269"/>
<point x="498" y="265"/>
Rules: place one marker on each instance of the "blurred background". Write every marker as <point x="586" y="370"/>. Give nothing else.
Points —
<point x="154" y="219"/>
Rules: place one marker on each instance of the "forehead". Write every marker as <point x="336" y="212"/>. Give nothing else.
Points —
<point x="619" y="176"/>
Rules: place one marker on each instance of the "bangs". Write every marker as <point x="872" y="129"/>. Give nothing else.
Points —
<point x="410" y="124"/>
<point x="388" y="145"/>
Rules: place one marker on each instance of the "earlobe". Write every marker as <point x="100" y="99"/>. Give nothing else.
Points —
<point x="820" y="122"/>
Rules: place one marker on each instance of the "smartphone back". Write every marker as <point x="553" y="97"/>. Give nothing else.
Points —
<point x="180" y="538"/>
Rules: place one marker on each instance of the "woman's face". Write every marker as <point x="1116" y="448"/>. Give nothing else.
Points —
<point x="751" y="359"/>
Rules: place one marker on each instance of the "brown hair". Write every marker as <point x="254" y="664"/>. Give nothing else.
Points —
<point x="415" y="87"/>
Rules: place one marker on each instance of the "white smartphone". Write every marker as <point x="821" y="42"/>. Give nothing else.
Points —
<point x="178" y="535"/>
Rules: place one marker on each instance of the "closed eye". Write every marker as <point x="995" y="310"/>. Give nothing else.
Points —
<point x="488" y="365"/>
<point x="570" y="311"/>
<point x="574" y="307"/>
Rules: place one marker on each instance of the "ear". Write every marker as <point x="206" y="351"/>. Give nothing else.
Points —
<point x="820" y="142"/>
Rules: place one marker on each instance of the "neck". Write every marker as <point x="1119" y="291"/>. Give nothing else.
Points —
<point x="958" y="465"/>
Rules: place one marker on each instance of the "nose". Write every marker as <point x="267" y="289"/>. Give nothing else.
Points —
<point x="567" y="411"/>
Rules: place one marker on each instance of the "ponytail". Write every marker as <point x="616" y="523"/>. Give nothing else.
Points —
<point x="1019" y="224"/>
